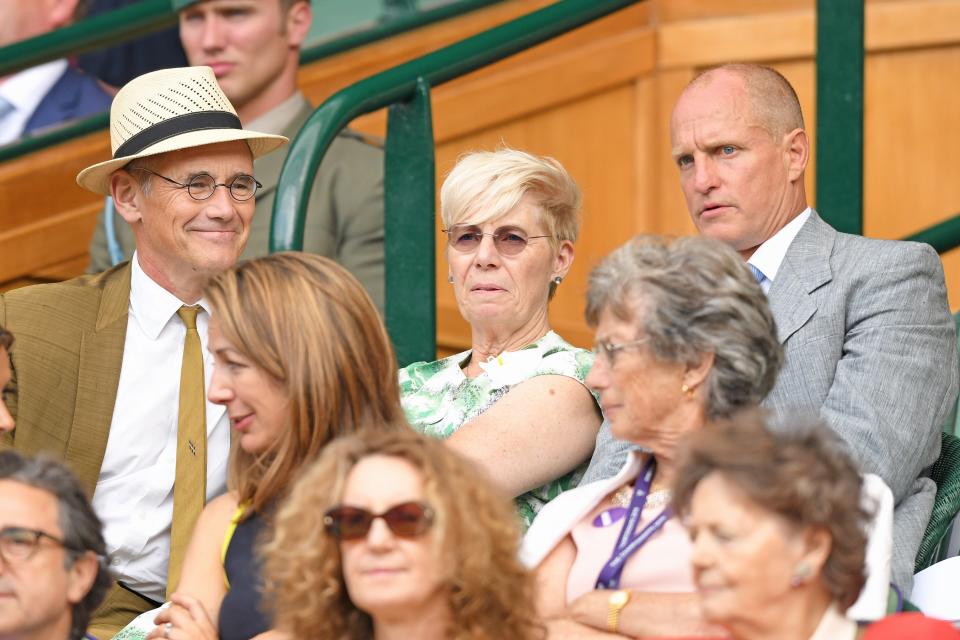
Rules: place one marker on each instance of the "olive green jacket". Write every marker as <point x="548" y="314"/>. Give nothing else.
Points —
<point x="345" y="212"/>
<point x="66" y="367"/>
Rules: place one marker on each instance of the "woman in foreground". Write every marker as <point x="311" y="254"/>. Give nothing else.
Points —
<point x="777" y="528"/>
<point x="301" y="357"/>
<point x="684" y="336"/>
<point x="393" y="536"/>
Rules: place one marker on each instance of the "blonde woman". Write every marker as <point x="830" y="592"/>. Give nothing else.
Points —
<point x="301" y="357"/>
<point x="515" y="402"/>
<point x="390" y="534"/>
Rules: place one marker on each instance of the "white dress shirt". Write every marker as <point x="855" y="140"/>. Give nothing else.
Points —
<point x="24" y="90"/>
<point x="134" y="495"/>
<point x="769" y="256"/>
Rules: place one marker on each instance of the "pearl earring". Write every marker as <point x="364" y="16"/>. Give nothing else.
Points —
<point x="557" y="280"/>
<point x="450" y="279"/>
<point x="800" y="575"/>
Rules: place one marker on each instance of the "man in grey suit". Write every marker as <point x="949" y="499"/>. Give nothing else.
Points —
<point x="869" y="341"/>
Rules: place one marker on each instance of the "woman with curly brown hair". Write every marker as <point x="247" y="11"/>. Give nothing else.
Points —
<point x="778" y="529"/>
<point x="392" y="535"/>
<point x="301" y="357"/>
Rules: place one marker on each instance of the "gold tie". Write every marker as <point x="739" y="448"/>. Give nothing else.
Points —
<point x="190" y="482"/>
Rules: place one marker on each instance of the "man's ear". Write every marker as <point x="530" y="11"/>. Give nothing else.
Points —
<point x="60" y="12"/>
<point x="126" y="196"/>
<point x="796" y="146"/>
<point x="298" y="23"/>
<point x="81" y="575"/>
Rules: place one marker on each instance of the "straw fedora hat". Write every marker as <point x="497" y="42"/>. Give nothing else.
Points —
<point x="168" y="110"/>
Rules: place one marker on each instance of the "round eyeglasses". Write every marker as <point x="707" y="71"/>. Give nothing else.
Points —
<point x="202" y="185"/>
<point x="509" y="241"/>
<point x="610" y="349"/>
<point x="407" y="520"/>
<point x="18" y="544"/>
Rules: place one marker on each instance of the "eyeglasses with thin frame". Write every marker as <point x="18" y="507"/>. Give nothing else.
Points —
<point x="407" y="520"/>
<point x="203" y="185"/>
<point x="610" y="349"/>
<point x="18" y="544"/>
<point x="509" y="241"/>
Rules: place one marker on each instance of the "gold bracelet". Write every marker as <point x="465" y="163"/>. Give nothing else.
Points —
<point x="618" y="600"/>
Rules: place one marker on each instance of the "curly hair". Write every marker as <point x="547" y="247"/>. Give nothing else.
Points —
<point x="801" y="471"/>
<point x="475" y="531"/>
<point x="309" y="325"/>
<point x="693" y="296"/>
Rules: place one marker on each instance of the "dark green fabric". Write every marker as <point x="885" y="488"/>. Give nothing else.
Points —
<point x="946" y="473"/>
<point x="952" y="425"/>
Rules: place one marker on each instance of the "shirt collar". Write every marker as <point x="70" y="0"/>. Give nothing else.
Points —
<point x="769" y="256"/>
<point x="25" y="89"/>
<point x="151" y="305"/>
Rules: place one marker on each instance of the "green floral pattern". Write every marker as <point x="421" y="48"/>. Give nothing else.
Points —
<point x="438" y="398"/>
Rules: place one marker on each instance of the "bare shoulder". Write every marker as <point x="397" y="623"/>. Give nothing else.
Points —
<point x="552" y="389"/>
<point x="221" y="509"/>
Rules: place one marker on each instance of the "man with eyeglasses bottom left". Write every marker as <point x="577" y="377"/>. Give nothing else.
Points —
<point x="52" y="565"/>
<point x="110" y="371"/>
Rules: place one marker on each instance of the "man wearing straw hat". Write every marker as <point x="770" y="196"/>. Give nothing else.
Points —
<point x="253" y="47"/>
<point x="110" y="370"/>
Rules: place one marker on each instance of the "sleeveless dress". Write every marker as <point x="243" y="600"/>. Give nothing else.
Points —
<point x="241" y="616"/>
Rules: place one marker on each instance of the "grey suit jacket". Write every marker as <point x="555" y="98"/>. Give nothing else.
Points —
<point x="870" y="345"/>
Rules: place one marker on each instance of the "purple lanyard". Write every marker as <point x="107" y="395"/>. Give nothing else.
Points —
<point x="629" y="542"/>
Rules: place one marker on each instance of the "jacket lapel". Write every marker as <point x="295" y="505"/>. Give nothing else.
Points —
<point x="805" y="268"/>
<point x="101" y="357"/>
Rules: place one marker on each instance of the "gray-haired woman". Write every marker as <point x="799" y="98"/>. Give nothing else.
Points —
<point x="684" y="336"/>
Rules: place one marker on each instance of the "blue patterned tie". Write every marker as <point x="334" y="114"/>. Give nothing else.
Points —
<point x="757" y="273"/>
<point x="5" y="108"/>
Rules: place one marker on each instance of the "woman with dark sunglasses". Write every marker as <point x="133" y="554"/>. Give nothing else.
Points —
<point x="392" y="535"/>
<point x="515" y="402"/>
<point x="301" y="357"/>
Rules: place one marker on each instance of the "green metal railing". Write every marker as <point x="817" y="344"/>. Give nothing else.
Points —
<point x="840" y="113"/>
<point x="103" y="30"/>
<point x="409" y="162"/>
<point x="148" y="16"/>
<point x="840" y="63"/>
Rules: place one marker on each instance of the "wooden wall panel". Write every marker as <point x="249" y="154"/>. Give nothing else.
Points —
<point x="911" y="133"/>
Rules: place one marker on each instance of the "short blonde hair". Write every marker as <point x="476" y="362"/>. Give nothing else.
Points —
<point x="476" y="532"/>
<point x="485" y="185"/>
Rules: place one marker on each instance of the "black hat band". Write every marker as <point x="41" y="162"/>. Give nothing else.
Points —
<point x="176" y="126"/>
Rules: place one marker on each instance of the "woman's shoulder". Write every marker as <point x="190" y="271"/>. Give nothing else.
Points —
<point x="220" y="513"/>
<point x="559" y="357"/>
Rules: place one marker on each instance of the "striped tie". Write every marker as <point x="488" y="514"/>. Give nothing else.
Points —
<point x="757" y="274"/>
<point x="190" y="482"/>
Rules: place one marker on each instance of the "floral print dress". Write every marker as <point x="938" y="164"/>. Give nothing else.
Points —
<point x="438" y="398"/>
